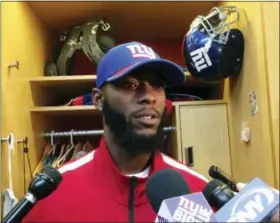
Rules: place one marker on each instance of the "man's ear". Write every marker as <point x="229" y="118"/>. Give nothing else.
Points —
<point x="97" y="98"/>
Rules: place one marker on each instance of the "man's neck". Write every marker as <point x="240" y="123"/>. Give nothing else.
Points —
<point x="126" y="163"/>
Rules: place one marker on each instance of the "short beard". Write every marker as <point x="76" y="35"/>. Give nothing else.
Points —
<point x="126" y="138"/>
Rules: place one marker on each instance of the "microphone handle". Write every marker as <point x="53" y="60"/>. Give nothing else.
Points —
<point x="20" y="210"/>
<point x="231" y="183"/>
<point x="216" y="173"/>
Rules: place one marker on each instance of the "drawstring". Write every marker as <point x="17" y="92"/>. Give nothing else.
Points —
<point x="10" y="150"/>
<point x="25" y="151"/>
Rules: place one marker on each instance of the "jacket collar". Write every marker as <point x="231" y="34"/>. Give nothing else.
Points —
<point x="117" y="184"/>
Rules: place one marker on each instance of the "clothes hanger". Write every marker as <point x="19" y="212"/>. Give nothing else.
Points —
<point x="78" y="147"/>
<point x="56" y="153"/>
<point x="62" y="151"/>
<point x="71" y="152"/>
<point x="72" y="146"/>
<point x="87" y="147"/>
<point x="49" y="157"/>
<point x="47" y="150"/>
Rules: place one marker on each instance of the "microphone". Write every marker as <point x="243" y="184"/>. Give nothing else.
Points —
<point x="170" y="197"/>
<point x="43" y="184"/>
<point x="256" y="202"/>
<point x="216" y="173"/>
<point x="172" y="184"/>
<point x="217" y="193"/>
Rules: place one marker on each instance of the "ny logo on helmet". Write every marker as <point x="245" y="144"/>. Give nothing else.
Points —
<point x="140" y="50"/>
<point x="200" y="57"/>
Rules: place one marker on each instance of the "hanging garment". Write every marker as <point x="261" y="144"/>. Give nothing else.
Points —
<point x="10" y="199"/>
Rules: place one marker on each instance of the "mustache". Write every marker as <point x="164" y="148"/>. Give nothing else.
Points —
<point x="150" y="110"/>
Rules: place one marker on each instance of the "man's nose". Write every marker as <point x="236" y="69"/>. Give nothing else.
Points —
<point x="146" y="94"/>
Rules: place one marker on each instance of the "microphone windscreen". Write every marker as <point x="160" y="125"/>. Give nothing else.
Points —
<point x="165" y="184"/>
<point x="211" y="187"/>
<point x="217" y="193"/>
<point x="45" y="182"/>
<point x="53" y="174"/>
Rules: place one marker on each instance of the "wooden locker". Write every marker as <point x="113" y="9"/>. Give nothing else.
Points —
<point x="205" y="129"/>
<point x="42" y="109"/>
<point x="39" y="24"/>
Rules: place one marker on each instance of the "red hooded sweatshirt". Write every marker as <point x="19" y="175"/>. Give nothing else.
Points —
<point x="93" y="190"/>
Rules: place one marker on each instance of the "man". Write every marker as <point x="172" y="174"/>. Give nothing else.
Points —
<point x="108" y="184"/>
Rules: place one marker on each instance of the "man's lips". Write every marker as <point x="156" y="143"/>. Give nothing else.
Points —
<point x="147" y="114"/>
<point x="147" y="120"/>
<point x="147" y="117"/>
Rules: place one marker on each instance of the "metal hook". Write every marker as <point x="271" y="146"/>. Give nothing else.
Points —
<point x="71" y="137"/>
<point x="52" y="132"/>
<point x="23" y="140"/>
<point x="14" y="64"/>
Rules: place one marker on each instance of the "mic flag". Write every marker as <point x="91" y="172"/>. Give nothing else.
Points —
<point x="254" y="203"/>
<point x="186" y="208"/>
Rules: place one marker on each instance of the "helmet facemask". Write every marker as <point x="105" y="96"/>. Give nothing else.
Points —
<point x="216" y="24"/>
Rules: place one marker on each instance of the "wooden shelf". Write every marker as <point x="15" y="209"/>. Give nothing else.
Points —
<point x="207" y="102"/>
<point x="58" y="90"/>
<point x="85" y="80"/>
<point x="61" y="110"/>
<point x="64" y="80"/>
<point x="65" y="110"/>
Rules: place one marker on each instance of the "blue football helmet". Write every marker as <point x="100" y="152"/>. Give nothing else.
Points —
<point x="211" y="49"/>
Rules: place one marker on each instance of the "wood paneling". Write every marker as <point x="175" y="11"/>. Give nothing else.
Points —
<point x="270" y="12"/>
<point x="255" y="157"/>
<point x="32" y="44"/>
<point x="24" y="39"/>
<point x="131" y="20"/>
<point x="159" y="23"/>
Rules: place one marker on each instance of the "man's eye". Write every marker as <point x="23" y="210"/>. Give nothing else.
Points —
<point x="158" y="86"/>
<point x="130" y="85"/>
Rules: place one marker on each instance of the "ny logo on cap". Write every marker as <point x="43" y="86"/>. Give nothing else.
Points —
<point x="140" y="51"/>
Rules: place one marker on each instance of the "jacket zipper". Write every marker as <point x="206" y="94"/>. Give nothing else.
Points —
<point x="133" y="181"/>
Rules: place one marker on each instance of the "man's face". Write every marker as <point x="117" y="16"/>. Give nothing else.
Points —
<point x="134" y="110"/>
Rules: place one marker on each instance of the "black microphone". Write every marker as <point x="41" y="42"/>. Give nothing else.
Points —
<point x="256" y="202"/>
<point x="43" y="184"/>
<point x="216" y="173"/>
<point x="172" y="200"/>
<point x="217" y="193"/>
<point x="165" y="184"/>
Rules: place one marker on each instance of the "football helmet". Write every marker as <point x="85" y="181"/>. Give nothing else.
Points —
<point x="212" y="50"/>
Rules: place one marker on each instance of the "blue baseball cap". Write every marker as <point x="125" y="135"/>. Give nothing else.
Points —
<point x="125" y="58"/>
